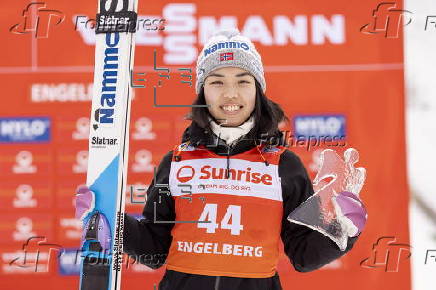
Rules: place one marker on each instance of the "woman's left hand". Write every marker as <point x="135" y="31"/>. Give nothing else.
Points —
<point x="350" y="212"/>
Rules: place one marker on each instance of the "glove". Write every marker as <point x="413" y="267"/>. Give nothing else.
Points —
<point x="85" y="204"/>
<point x="350" y="212"/>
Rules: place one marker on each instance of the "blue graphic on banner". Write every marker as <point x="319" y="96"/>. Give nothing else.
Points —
<point x="69" y="262"/>
<point x="319" y="125"/>
<point x="25" y="129"/>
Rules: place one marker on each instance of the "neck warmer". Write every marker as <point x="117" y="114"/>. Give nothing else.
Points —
<point x="231" y="134"/>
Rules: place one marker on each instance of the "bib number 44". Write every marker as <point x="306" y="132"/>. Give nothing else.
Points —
<point x="231" y="220"/>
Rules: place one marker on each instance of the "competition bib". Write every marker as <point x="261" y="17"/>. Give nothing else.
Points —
<point x="228" y="218"/>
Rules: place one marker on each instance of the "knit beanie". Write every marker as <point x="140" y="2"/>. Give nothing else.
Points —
<point x="226" y="48"/>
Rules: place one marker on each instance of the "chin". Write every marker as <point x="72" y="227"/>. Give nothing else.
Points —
<point x="233" y="123"/>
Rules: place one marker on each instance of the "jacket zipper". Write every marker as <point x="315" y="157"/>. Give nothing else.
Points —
<point x="228" y="169"/>
<point x="217" y="282"/>
<point x="229" y="150"/>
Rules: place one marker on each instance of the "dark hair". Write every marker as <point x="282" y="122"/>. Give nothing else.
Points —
<point x="267" y="114"/>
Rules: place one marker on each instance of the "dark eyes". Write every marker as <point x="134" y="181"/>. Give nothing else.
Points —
<point x="220" y="82"/>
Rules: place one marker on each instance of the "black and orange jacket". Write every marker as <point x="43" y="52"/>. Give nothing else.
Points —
<point x="155" y="243"/>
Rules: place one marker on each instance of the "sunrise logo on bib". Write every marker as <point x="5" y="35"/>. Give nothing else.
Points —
<point x="185" y="173"/>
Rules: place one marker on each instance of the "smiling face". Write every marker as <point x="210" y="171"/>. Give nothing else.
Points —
<point x="231" y="94"/>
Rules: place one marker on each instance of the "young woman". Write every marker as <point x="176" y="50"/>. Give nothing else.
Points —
<point x="219" y="222"/>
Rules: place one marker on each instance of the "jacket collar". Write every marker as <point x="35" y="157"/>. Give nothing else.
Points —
<point x="199" y="136"/>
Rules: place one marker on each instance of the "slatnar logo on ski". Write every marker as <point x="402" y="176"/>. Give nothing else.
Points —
<point x="104" y="141"/>
<point x="105" y="115"/>
<point x="114" y="17"/>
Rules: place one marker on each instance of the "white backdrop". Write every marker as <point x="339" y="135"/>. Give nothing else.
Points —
<point x="420" y="70"/>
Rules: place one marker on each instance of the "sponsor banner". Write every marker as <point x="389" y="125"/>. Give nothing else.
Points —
<point x="25" y="160"/>
<point x="17" y="228"/>
<point x="70" y="258"/>
<point x="143" y="159"/>
<point x="60" y="92"/>
<point x="72" y="128"/>
<point x="25" y="129"/>
<point x="72" y="160"/>
<point x="68" y="229"/>
<point x="320" y="126"/>
<point x="27" y="194"/>
<point x="35" y="257"/>
<point x="151" y="129"/>
<point x="202" y="176"/>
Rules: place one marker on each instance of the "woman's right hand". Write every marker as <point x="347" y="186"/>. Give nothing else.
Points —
<point x="85" y="202"/>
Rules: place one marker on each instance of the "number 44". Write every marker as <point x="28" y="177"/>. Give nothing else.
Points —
<point x="209" y="214"/>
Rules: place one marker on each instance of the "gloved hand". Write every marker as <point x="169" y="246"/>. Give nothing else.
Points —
<point x="350" y="212"/>
<point x="85" y="204"/>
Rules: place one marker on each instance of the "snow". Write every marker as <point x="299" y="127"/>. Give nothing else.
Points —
<point x="420" y="72"/>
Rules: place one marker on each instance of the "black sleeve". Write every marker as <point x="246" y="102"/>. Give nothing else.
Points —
<point x="306" y="248"/>
<point x="144" y="240"/>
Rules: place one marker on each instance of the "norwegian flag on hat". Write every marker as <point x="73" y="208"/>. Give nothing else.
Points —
<point x="226" y="56"/>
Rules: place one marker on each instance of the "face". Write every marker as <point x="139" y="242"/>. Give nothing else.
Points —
<point x="231" y="94"/>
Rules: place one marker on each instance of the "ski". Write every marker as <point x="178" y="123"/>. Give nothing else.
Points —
<point x="109" y="144"/>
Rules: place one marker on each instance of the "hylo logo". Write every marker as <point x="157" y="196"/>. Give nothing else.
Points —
<point x="25" y="129"/>
<point x="320" y="125"/>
